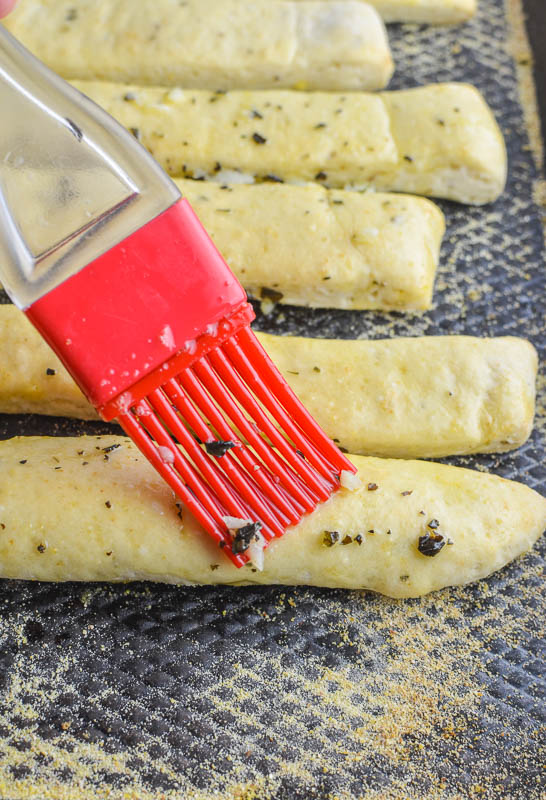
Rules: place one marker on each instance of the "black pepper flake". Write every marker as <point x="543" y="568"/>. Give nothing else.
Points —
<point x="244" y="536"/>
<point x="371" y="530"/>
<point x="359" y="539"/>
<point x="292" y="372"/>
<point x="343" y="449"/>
<point x="50" y="371"/>
<point x="440" y="122"/>
<point x="110" y="448"/>
<point x="258" y="138"/>
<point x="389" y="532"/>
<point x="337" y="202"/>
<point x="422" y="513"/>
<point x="407" y="493"/>
<point x="219" y="448"/>
<point x="41" y="548"/>
<point x="76" y="130"/>
<point x="71" y="14"/>
<point x="270" y="294"/>
<point x="24" y="461"/>
<point x="214" y="566"/>
<point x="2" y="526"/>
<point x="80" y="452"/>
<point x="129" y="97"/>
<point x="136" y="133"/>
<point x="372" y="487"/>
<point x="316" y="369"/>
<point x="178" y="509"/>
<point x="256" y="114"/>
<point x="270" y="178"/>
<point x="109" y="553"/>
<point x="404" y="578"/>
<point x="430" y="544"/>
<point x="320" y="125"/>
<point x="330" y="538"/>
<point x="321" y="176"/>
<point x="408" y="158"/>
<point x="347" y="539"/>
<point x="433" y="524"/>
<point x="85" y="463"/>
<point x="327" y="278"/>
<point x="217" y="167"/>
<point x="108" y="504"/>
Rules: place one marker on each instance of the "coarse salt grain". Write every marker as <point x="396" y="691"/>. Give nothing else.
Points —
<point x="349" y="480"/>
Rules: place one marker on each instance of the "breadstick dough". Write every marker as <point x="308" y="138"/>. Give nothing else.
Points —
<point x="219" y="44"/>
<point x="433" y="12"/>
<point x="362" y="251"/>
<point x="439" y="140"/>
<point x="406" y="398"/>
<point x="69" y="513"/>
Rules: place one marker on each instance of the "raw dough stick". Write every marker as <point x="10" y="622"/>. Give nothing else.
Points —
<point x="433" y="12"/>
<point x="407" y="398"/>
<point x="325" y="249"/>
<point x="439" y="140"/>
<point x="218" y="44"/>
<point x="71" y="511"/>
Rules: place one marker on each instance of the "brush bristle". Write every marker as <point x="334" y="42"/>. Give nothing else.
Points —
<point x="232" y="440"/>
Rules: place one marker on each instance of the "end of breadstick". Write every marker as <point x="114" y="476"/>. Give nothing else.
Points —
<point x="431" y="12"/>
<point x="342" y="45"/>
<point x="449" y="144"/>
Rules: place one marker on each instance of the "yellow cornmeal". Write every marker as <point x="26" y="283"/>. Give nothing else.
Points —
<point x="359" y="713"/>
<point x="219" y="44"/>
<point x="377" y="536"/>
<point x="439" y="140"/>
<point x="405" y="398"/>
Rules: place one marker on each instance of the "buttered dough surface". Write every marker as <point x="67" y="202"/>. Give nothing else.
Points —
<point x="219" y="44"/>
<point x="324" y="248"/>
<point x="434" y="12"/>
<point x="406" y="398"/>
<point x="439" y="140"/>
<point x="79" y="509"/>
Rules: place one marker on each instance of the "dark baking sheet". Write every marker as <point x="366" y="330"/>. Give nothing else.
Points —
<point x="147" y="691"/>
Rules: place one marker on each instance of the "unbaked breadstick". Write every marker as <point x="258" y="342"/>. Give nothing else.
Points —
<point x="439" y="140"/>
<point x="407" y="398"/>
<point x="433" y="12"/>
<point x="219" y="44"/>
<point x="308" y="246"/>
<point x="71" y="511"/>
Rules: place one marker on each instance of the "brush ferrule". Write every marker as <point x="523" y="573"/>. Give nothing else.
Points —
<point x="151" y="297"/>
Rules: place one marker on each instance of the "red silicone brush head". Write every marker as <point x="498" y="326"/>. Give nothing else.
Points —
<point x="156" y="333"/>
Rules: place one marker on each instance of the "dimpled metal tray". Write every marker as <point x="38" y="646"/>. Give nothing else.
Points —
<point x="149" y="691"/>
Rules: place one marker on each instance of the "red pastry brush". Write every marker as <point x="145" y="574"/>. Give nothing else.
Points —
<point x="117" y="274"/>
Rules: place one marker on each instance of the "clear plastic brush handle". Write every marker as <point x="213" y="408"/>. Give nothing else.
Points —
<point x="73" y="182"/>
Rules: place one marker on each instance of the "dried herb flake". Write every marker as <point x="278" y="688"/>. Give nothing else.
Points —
<point x="219" y="448"/>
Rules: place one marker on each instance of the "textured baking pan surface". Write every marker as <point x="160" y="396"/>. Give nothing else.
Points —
<point x="144" y="691"/>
